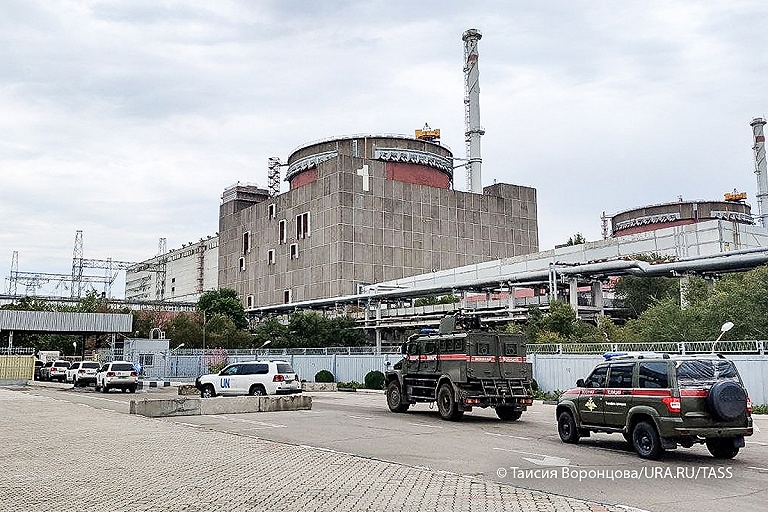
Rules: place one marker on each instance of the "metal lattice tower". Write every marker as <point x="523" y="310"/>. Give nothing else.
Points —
<point x="77" y="266"/>
<point x="160" y="282"/>
<point x="472" y="127"/>
<point x="14" y="272"/>
<point x="760" y="170"/>
<point x="273" y="183"/>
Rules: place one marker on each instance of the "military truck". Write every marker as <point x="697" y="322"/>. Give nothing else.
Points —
<point x="460" y="370"/>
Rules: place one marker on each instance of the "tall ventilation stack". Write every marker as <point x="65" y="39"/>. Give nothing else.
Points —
<point x="473" y="130"/>
<point x="760" y="169"/>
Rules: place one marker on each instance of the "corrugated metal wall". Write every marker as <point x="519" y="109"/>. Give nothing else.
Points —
<point x="56" y="321"/>
<point x="17" y="368"/>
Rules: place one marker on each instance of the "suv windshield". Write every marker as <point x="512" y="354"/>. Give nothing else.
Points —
<point x="87" y="364"/>
<point x="122" y="367"/>
<point x="698" y="373"/>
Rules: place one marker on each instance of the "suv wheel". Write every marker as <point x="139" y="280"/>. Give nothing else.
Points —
<point x="446" y="405"/>
<point x="646" y="441"/>
<point x="257" y="390"/>
<point x="566" y="428"/>
<point x="722" y="447"/>
<point x="104" y="389"/>
<point x="208" y="391"/>
<point x="507" y="413"/>
<point x="395" y="398"/>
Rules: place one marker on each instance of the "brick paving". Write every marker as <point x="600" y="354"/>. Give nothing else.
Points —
<point x="63" y="456"/>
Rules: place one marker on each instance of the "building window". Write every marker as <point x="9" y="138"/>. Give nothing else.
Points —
<point x="286" y="296"/>
<point x="249" y="301"/>
<point x="294" y="251"/>
<point x="271" y="257"/>
<point x="246" y="242"/>
<point x="281" y="231"/>
<point x="302" y="225"/>
<point x="146" y="359"/>
<point x="271" y="211"/>
<point x="242" y="264"/>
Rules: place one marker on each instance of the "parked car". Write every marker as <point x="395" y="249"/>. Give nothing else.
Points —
<point x="660" y="401"/>
<point x="54" y="370"/>
<point x="82" y="373"/>
<point x="251" y="378"/>
<point x="117" y="374"/>
<point x="38" y="366"/>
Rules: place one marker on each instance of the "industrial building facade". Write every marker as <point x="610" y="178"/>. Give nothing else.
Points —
<point x="361" y="210"/>
<point x="178" y="275"/>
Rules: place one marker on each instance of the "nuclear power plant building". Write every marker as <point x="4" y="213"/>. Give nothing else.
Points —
<point x="360" y="210"/>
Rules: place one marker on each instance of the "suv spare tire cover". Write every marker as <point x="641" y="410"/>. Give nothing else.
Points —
<point x="727" y="399"/>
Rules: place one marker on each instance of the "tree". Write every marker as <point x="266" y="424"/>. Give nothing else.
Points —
<point x="576" y="239"/>
<point x="637" y="294"/>
<point x="223" y="302"/>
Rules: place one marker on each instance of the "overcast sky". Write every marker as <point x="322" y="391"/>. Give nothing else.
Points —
<point x="127" y="119"/>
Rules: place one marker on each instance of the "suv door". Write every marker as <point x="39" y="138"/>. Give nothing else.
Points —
<point x="227" y="380"/>
<point x="590" y="402"/>
<point x="618" y="394"/>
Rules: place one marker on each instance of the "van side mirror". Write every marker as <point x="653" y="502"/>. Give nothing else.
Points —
<point x="580" y="383"/>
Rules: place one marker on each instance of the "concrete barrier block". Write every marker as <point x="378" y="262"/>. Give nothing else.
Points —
<point x="229" y="404"/>
<point x="166" y="407"/>
<point x="318" y="386"/>
<point x="188" y="390"/>
<point x="286" y="403"/>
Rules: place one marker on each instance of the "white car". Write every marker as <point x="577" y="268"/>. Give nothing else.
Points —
<point x="117" y="374"/>
<point x="56" y="371"/>
<point x="81" y="373"/>
<point x="251" y="378"/>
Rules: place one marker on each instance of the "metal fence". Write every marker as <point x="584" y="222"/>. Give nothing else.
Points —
<point x="683" y="347"/>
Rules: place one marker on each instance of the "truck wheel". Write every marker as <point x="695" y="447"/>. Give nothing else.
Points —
<point x="447" y="406"/>
<point x="646" y="441"/>
<point x="395" y="398"/>
<point x="566" y="428"/>
<point x="507" y="413"/>
<point x="722" y="448"/>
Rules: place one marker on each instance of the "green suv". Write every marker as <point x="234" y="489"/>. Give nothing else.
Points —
<point x="658" y="401"/>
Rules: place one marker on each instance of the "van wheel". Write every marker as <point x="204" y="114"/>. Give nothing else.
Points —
<point x="566" y="428"/>
<point x="395" y="398"/>
<point x="208" y="391"/>
<point x="507" y="413"/>
<point x="646" y="441"/>
<point x="722" y="448"/>
<point x="258" y="390"/>
<point x="446" y="405"/>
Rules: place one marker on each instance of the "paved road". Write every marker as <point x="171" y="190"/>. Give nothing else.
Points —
<point x="481" y="448"/>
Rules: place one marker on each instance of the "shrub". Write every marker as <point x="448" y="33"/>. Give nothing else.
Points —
<point x="760" y="409"/>
<point x="374" y="380"/>
<point x="349" y="385"/>
<point x="216" y="367"/>
<point x="324" y="376"/>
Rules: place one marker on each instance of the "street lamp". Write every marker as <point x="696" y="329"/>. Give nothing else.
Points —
<point x="74" y="346"/>
<point x="727" y="326"/>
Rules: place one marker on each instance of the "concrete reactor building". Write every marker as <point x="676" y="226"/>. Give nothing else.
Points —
<point x="364" y="209"/>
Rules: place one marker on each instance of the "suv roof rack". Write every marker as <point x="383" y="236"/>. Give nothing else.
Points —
<point x="611" y="356"/>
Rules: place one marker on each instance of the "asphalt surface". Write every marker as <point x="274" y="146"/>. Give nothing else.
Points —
<point x="79" y="450"/>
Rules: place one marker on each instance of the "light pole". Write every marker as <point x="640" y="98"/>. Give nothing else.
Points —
<point x="727" y="326"/>
<point x="264" y="345"/>
<point x="168" y="353"/>
<point x="74" y="346"/>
